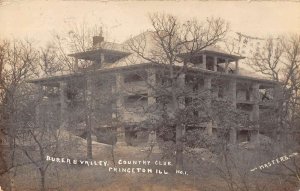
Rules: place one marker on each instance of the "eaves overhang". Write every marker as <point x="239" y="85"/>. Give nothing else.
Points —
<point x="95" y="54"/>
<point x="195" y="70"/>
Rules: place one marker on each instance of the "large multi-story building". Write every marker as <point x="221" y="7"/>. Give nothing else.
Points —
<point x="118" y="89"/>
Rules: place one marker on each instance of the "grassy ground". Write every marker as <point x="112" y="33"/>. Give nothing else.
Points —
<point x="95" y="178"/>
<point x="74" y="177"/>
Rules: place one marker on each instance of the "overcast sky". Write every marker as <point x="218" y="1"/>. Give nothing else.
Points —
<point x="38" y="19"/>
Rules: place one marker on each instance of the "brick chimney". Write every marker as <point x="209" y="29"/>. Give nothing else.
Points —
<point x="97" y="40"/>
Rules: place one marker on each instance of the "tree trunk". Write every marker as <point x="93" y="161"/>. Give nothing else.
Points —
<point x="179" y="127"/>
<point x="43" y="179"/>
<point x="89" y="114"/>
<point x="179" y="147"/>
<point x="89" y="139"/>
<point x="5" y="178"/>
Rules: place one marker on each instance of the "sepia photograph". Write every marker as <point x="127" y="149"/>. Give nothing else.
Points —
<point x="99" y="95"/>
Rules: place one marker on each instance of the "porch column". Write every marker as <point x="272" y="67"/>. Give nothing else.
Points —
<point x="63" y="105"/>
<point x="237" y="67"/>
<point x="226" y="65"/>
<point x="76" y="65"/>
<point x="215" y="63"/>
<point x="151" y="86"/>
<point x="203" y="65"/>
<point x="207" y="83"/>
<point x="255" y="108"/>
<point x="232" y="98"/>
<point x="207" y="87"/>
<point x="120" y="110"/>
<point x="38" y="106"/>
<point x="151" y="83"/>
<point x="232" y="92"/>
<point x="255" y="99"/>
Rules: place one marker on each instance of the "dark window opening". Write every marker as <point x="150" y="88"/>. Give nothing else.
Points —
<point x="220" y="68"/>
<point x="196" y="60"/>
<point x="135" y="100"/>
<point x="221" y="92"/>
<point x="247" y="95"/>
<point x="52" y="91"/>
<point x="210" y="67"/>
<point x="134" y="78"/>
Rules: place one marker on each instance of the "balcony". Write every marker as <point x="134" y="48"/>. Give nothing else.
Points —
<point x="135" y="87"/>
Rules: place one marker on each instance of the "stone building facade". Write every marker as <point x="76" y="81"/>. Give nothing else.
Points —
<point x="115" y="93"/>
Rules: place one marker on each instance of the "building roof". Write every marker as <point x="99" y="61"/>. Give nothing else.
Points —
<point x="221" y="52"/>
<point x="108" y="48"/>
<point x="127" y="58"/>
<point x="70" y="76"/>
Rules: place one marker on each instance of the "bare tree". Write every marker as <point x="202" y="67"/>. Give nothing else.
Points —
<point x="173" y="43"/>
<point x="49" y="60"/>
<point x="279" y="61"/>
<point x="18" y="59"/>
<point x="22" y="61"/>
<point x="37" y="139"/>
<point x="78" y="39"/>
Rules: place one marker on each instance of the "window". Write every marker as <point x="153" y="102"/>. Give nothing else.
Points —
<point x="136" y="100"/>
<point x="221" y="92"/>
<point x="134" y="78"/>
<point x="196" y="60"/>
